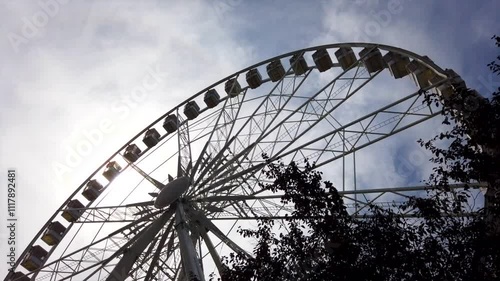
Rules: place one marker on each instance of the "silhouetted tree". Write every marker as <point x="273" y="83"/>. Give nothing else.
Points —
<point x="473" y="153"/>
<point x="324" y="242"/>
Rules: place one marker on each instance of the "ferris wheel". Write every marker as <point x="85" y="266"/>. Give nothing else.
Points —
<point x="166" y="205"/>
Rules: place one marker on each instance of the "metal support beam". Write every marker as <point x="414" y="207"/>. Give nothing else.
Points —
<point x="190" y="262"/>
<point x="122" y="268"/>
<point x="211" y="249"/>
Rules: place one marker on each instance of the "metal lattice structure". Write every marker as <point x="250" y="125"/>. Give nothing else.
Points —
<point x="173" y="195"/>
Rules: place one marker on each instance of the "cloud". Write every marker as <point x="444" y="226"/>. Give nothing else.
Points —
<point x="91" y="62"/>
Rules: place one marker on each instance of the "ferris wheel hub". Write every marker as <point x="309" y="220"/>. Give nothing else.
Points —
<point x="171" y="192"/>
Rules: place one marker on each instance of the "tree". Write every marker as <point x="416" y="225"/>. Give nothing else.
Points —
<point x="324" y="242"/>
<point x="474" y="151"/>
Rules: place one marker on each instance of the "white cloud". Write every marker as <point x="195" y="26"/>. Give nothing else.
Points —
<point x="85" y="63"/>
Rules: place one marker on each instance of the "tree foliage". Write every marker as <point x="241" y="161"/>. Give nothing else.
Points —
<point x="472" y="154"/>
<point x="322" y="241"/>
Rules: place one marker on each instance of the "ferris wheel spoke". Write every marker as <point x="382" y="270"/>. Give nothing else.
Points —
<point x="72" y="263"/>
<point x="377" y="197"/>
<point x="121" y="270"/>
<point x="203" y="127"/>
<point x="153" y="181"/>
<point x="220" y="138"/>
<point x="267" y="111"/>
<point x="184" y="147"/>
<point x="272" y="106"/>
<point x="219" y="147"/>
<point x="205" y="222"/>
<point x="244" y="210"/>
<point x="242" y="184"/>
<point x="120" y="213"/>
<point x="211" y="249"/>
<point x="138" y="270"/>
<point x="149" y="262"/>
<point x="253" y="132"/>
<point x="353" y="136"/>
<point x="302" y="110"/>
<point x="89" y="254"/>
<point x="256" y="212"/>
<point x="162" y="266"/>
<point x="293" y="131"/>
<point x="372" y="133"/>
<point x="241" y="212"/>
<point x="204" y="156"/>
<point x="154" y="261"/>
<point x="104" y="265"/>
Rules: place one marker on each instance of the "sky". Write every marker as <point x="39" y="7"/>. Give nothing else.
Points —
<point x="69" y="70"/>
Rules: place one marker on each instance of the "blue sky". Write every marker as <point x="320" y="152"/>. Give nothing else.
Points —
<point x="67" y="67"/>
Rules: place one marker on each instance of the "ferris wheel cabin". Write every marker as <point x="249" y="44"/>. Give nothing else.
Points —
<point x="151" y="138"/>
<point x="420" y="73"/>
<point x="17" y="276"/>
<point x="35" y="258"/>
<point x="275" y="70"/>
<point x="54" y="233"/>
<point x="211" y="98"/>
<point x="92" y="190"/>
<point x="232" y="87"/>
<point x="132" y="153"/>
<point x="397" y="64"/>
<point x="191" y="110"/>
<point x="346" y="57"/>
<point x="299" y="64"/>
<point x="322" y="60"/>
<point x="254" y="79"/>
<point x="73" y="210"/>
<point x="112" y="170"/>
<point x="372" y="59"/>
<point x="171" y="123"/>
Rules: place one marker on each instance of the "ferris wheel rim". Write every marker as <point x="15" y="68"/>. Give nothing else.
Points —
<point x="430" y="64"/>
<point x="437" y="70"/>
